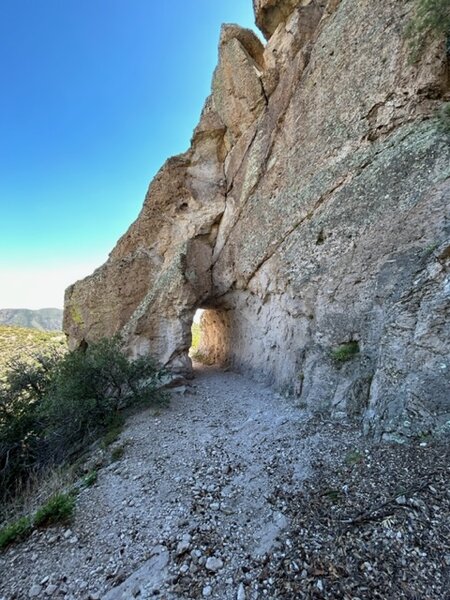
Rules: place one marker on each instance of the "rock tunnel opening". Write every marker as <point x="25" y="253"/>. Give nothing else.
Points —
<point x="195" y="335"/>
<point x="211" y="337"/>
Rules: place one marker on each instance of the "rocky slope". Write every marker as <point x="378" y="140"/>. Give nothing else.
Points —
<point x="44" y="319"/>
<point x="242" y="495"/>
<point x="309" y="216"/>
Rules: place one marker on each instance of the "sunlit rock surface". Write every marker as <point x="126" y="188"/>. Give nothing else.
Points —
<point x="311" y="211"/>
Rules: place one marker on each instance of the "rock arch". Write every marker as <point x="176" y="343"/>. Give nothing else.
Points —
<point x="311" y="211"/>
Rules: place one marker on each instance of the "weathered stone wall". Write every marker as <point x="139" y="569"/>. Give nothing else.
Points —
<point x="311" y="211"/>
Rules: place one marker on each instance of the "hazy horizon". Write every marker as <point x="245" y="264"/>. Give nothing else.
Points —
<point x="40" y="287"/>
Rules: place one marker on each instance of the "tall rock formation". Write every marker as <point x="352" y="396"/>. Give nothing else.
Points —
<point x="310" y="217"/>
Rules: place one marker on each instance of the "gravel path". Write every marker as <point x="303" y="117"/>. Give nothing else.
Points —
<point x="204" y="502"/>
<point x="187" y="504"/>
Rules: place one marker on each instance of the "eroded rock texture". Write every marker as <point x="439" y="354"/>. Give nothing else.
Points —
<point x="311" y="212"/>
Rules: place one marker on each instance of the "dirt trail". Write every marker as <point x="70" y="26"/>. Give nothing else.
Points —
<point x="235" y="493"/>
<point x="185" y="510"/>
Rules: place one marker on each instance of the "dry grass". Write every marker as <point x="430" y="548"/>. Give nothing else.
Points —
<point x="37" y="490"/>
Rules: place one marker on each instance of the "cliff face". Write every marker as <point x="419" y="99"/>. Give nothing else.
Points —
<point x="310" y="217"/>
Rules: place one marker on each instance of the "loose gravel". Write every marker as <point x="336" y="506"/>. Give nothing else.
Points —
<point x="235" y="493"/>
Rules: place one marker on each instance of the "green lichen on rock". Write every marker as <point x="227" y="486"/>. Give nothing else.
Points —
<point x="444" y="117"/>
<point x="75" y="313"/>
<point x="430" y="20"/>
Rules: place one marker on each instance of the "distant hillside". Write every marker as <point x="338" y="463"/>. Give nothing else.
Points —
<point x="45" y="319"/>
<point x="23" y="342"/>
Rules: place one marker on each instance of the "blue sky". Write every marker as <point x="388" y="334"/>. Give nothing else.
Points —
<point x="96" y="94"/>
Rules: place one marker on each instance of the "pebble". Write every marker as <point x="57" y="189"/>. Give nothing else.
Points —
<point x="214" y="564"/>
<point x="184" y="545"/>
<point x="208" y="481"/>
<point x="51" y="589"/>
<point x="241" y="592"/>
<point x="35" y="590"/>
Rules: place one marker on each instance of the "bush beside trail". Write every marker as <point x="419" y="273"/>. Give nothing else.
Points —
<point x="52" y="406"/>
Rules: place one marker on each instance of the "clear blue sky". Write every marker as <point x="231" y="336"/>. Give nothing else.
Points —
<point x="96" y="94"/>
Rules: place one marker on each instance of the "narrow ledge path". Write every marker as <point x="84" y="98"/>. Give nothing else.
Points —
<point x="187" y="509"/>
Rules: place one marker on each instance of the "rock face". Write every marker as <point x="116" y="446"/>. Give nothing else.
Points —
<point x="270" y="14"/>
<point x="309" y="217"/>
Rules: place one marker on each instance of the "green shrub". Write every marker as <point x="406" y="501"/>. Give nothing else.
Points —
<point x="90" y="479"/>
<point x="22" y="423"/>
<point x="117" y="453"/>
<point x="353" y="458"/>
<point x="15" y="531"/>
<point x="114" y="429"/>
<point x="345" y="352"/>
<point x="52" y="408"/>
<point x="334" y="496"/>
<point x="59" y="509"/>
<point x="430" y="20"/>
<point x="89" y="388"/>
<point x="111" y="436"/>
